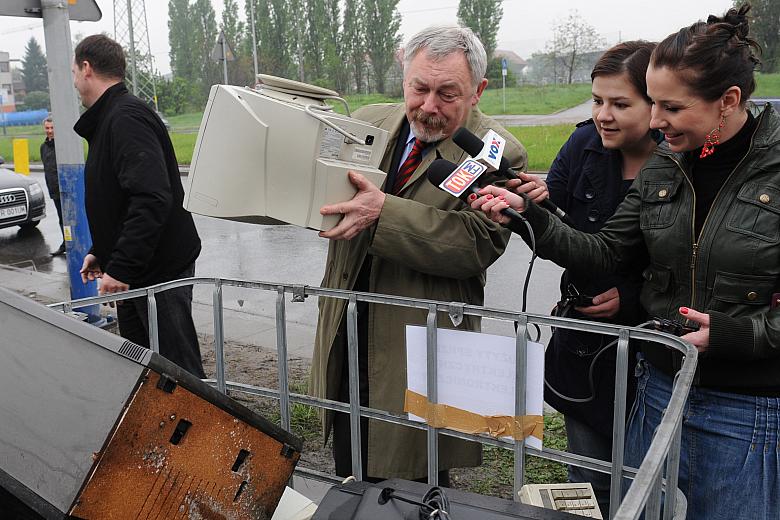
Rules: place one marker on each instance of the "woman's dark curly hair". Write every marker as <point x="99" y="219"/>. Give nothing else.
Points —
<point x="712" y="56"/>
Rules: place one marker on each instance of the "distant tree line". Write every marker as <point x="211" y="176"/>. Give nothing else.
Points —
<point x="346" y="45"/>
<point x="339" y="45"/>
<point x="765" y="28"/>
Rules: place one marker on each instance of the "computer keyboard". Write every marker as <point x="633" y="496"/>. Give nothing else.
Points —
<point x="575" y="498"/>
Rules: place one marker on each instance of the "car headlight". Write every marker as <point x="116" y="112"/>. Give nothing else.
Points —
<point x="34" y="189"/>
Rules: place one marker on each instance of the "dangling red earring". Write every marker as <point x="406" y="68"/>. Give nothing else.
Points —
<point x="712" y="139"/>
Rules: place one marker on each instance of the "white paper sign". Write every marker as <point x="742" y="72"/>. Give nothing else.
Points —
<point x="476" y="372"/>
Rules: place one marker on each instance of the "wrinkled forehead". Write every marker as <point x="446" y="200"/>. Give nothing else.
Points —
<point x="452" y="67"/>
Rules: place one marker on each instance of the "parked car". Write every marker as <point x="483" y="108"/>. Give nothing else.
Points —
<point x="164" y="121"/>
<point x="775" y="102"/>
<point x="21" y="200"/>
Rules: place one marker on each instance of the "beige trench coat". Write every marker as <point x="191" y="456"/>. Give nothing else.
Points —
<point x="426" y="244"/>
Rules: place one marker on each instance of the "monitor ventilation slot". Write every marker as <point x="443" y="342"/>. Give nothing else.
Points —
<point x="132" y="351"/>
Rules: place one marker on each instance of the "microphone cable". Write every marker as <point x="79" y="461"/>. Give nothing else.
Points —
<point x="591" y="385"/>
<point x="434" y="504"/>
<point x="527" y="281"/>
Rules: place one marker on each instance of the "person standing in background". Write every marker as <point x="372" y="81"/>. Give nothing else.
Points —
<point x="49" y="160"/>
<point x="141" y="233"/>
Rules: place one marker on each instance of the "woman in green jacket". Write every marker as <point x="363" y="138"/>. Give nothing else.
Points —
<point x="705" y="212"/>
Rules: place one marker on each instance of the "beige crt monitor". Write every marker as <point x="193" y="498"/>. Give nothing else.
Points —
<point x="277" y="154"/>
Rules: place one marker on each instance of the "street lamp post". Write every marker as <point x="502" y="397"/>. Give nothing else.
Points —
<point x="2" y="109"/>
<point x="68" y="147"/>
<point x="254" y="41"/>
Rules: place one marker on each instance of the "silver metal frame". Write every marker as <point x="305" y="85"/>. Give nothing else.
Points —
<point x="657" y="473"/>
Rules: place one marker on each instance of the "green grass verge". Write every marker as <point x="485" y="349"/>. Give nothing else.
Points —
<point x="185" y="121"/>
<point x="534" y="100"/>
<point x="542" y="143"/>
<point x="33" y="146"/>
<point x="304" y="420"/>
<point x="184" y="145"/>
<point x="767" y="86"/>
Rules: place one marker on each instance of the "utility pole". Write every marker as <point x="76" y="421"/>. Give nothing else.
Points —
<point x="130" y="30"/>
<point x="222" y="52"/>
<point x="254" y="40"/>
<point x="68" y="147"/>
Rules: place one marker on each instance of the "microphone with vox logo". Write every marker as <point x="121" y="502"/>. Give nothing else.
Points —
<point x="489" y="152"/>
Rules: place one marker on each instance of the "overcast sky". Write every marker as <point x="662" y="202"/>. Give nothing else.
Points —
<point x="524" y="29"/>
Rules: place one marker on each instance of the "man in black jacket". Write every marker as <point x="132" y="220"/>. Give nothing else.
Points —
<point x="141" y="234"/>
<point x="49" y="160"/>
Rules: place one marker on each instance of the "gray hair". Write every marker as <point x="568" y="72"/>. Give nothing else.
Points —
<point x="439" y="41"/>
<point x="48" y="120"/>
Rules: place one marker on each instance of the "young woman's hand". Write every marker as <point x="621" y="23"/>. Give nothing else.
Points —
<point x="701" y="337"/>
<point x="493" y="200"/>
<point x="533" y="186"/>
<point x="605" y="305"/>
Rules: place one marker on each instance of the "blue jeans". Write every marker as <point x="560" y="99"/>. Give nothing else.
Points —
<point x="729" y="460"/>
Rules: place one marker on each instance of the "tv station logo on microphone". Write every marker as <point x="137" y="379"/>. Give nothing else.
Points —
<point x="492" y="150"/>
<point x="464" y="176"/>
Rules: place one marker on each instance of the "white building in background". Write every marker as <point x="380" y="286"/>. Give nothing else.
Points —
<point x="7" y="103"/>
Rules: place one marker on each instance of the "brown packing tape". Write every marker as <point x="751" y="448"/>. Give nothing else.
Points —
<point x="445" y="416"/>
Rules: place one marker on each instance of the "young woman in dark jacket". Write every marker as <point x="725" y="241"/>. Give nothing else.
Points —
<point x="706" y="208"/>
<point x="588" y="180"/>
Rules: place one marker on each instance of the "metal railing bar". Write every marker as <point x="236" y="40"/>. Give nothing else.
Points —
<point x="432" y="386"/>
<point x="151" y="313"/>
<point x="281" y="352"/>
<point x="354" y="389"/>
<point x="653" y="507"/>
<point x="654" y="459"/>
<point x="472" y="310"/>
<point x="619" y="423"/>
<point x="672" y="472"/>
<point x="663" y="451"/>
<point x="219" y="337"/>
<point x="521" y="367"/>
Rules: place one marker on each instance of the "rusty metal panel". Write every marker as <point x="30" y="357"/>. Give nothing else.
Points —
<point x="175" y="455"/>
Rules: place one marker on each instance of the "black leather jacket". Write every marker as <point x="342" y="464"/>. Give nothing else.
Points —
<point x="49" y="160"/>
<point x="141" y="234"/>
<point x="730" y="271"/>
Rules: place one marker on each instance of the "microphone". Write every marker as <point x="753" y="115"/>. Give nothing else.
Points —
<point x="459" y="181"/>
<point x="474" y="146"/>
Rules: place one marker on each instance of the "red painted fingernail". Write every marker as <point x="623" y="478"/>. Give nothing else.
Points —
<point x="472" y="197"/>
<point x="501" y="197"/>
<point x="683" y="310"/>
<point x="488" y="196"/>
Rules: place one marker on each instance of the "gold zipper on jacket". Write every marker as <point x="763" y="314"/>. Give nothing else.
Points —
<point x="695" y="245"/>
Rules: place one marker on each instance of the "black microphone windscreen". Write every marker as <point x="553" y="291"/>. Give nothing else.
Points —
<point x="472" y="145"/>
<point x="439" y="170"/>
<point x="467" y="141"/>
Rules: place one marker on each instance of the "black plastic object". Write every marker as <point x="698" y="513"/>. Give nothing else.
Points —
<point x="365" y="501"/>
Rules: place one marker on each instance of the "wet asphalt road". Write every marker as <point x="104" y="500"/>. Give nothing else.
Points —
<point x="286" y="254"/>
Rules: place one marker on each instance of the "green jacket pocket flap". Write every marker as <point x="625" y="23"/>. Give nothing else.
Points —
<point x="762" y="195"/>
<point x="743" y="289"/>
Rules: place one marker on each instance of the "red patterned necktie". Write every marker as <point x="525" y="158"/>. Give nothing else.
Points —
<point x="411" y="163"/>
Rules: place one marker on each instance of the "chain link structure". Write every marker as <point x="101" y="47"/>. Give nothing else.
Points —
<point x="130" y="31"/>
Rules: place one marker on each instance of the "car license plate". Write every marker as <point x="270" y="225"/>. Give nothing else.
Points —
<point x="13" y="211"/>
